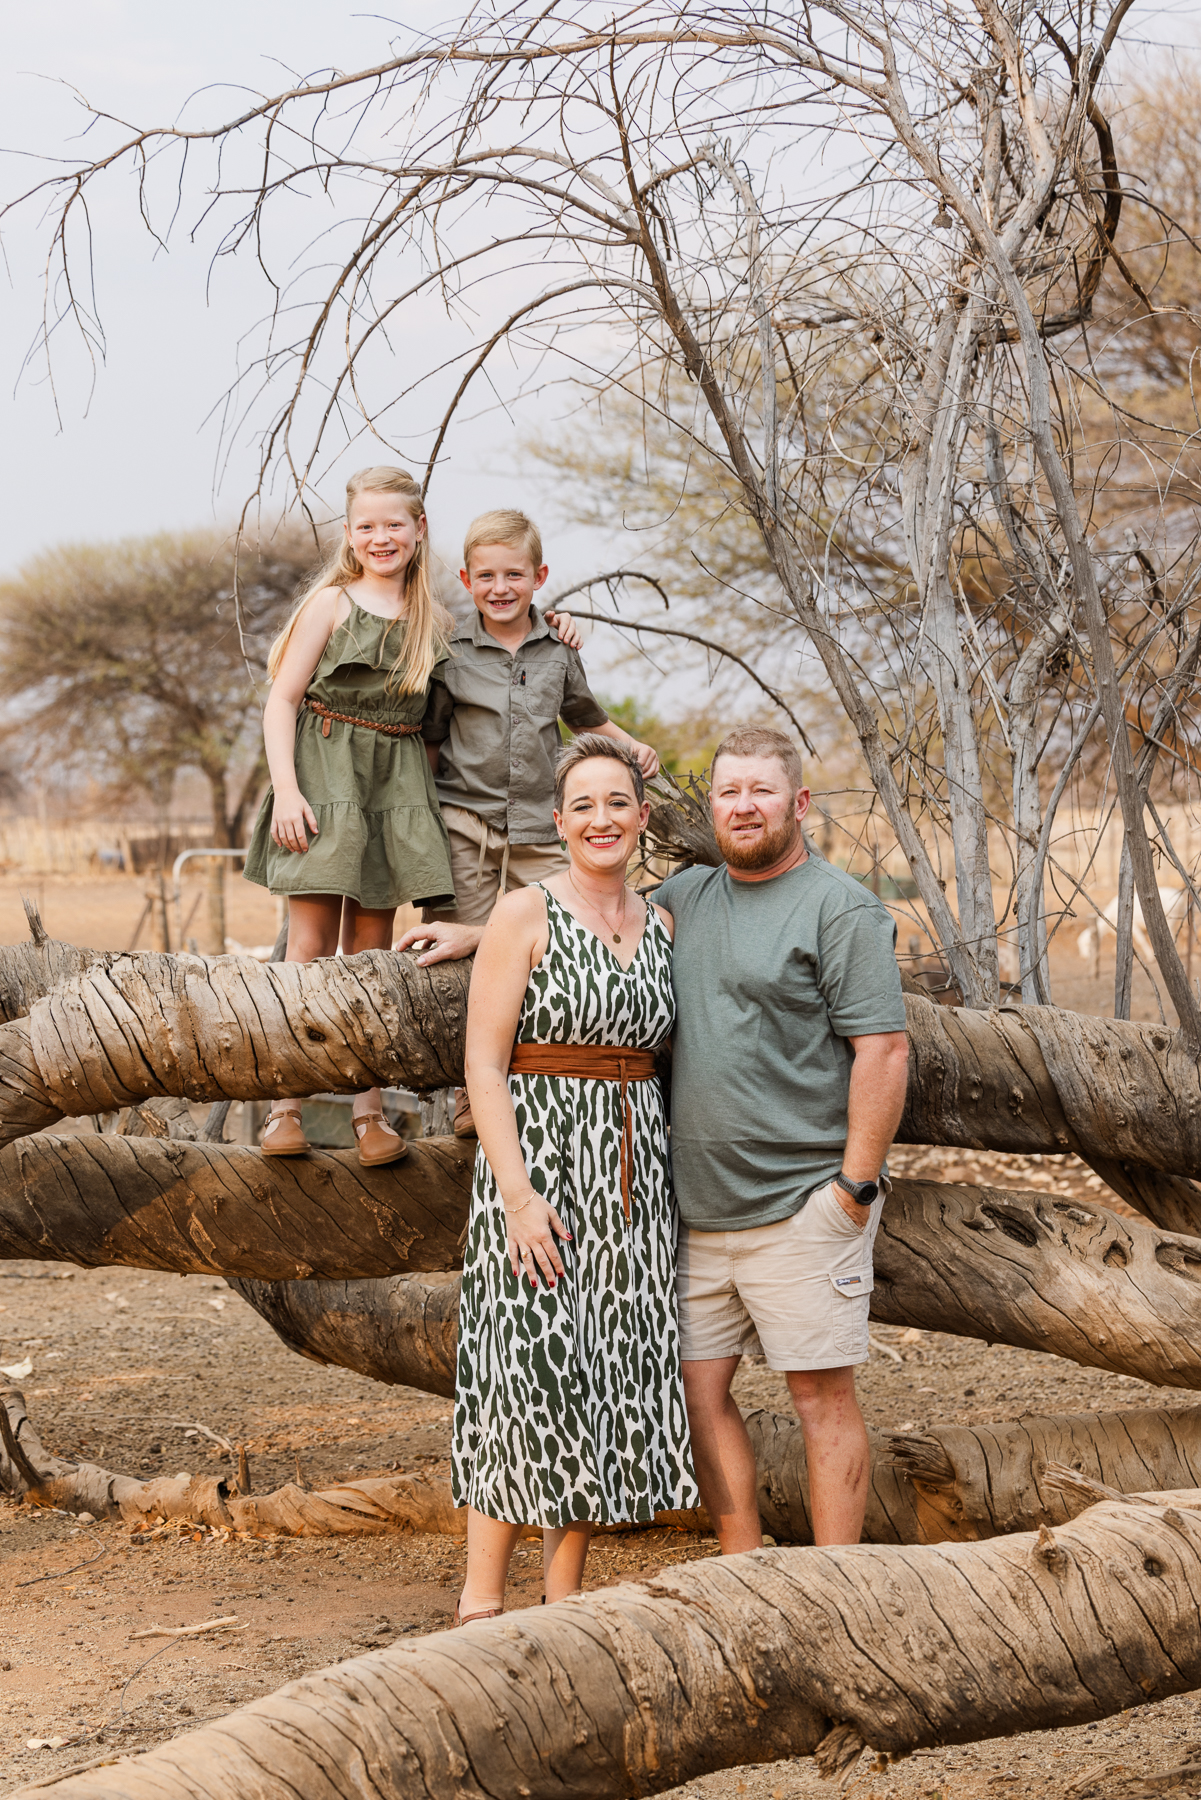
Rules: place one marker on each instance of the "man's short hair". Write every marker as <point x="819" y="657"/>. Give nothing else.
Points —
<point x="762" y="740"/>
<point x="586" y="748"/>
<point x="504" y="526"/>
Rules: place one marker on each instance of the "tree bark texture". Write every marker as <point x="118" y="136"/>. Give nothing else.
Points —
<point x="1044" y="1272"/>
<point x="743" y="1659"/>
<point x="29" y="971"/>
<point x="403" y="1330"/>
<point x="1039" y="1080"/>
<point x="225" y="1209"/>
<point x="1028" y="1079"/>
<point x="967" y="1483"/>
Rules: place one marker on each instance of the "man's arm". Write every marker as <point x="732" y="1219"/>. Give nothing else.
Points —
<point x="879" y="1077"/>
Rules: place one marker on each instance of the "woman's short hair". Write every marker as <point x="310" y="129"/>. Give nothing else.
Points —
<point x="586" y="748"/>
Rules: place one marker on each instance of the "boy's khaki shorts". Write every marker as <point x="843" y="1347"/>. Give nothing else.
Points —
<point x="484" y="865"/>
<point x="797" y="1291"/>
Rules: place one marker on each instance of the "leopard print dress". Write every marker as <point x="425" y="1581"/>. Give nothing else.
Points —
<point x="569" y="1404"/>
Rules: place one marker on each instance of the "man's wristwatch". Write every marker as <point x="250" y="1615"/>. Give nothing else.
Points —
<point x="863" y="1192"/>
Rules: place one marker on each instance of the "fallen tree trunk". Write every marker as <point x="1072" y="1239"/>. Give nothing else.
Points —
<point x="231" y="1028"/>
<point x="965" y="1483"/>
<point x="1028" y="1079"/>
<point x="224" y="1209"/>
<point x="1042" y="1272"/>
<point x="29" y="971"/>
<point x="403" y="1331"/>
<point x="1028" y="1269"/>
<point x="956" y="1483"/>
<point x="744" y="1659"/>
<point x="391" y="1503"/>
<point x="1039" y="1080"/>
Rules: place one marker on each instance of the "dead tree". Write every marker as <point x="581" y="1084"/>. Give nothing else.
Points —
<point x="1127" y="1098"/>
<point x="885" y="366"/>
<point x="738" y="1660"/>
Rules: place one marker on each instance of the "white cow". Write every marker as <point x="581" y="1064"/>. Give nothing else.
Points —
<point x="1175" y="906"/>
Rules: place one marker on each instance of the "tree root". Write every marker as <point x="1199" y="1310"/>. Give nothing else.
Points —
<point x="744" y="1659"/>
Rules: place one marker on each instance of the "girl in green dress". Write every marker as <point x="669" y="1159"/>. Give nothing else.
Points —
<point x="350" y="827"/>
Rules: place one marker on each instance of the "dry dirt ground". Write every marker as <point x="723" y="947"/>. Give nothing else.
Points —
<point x="127" y="1369"/>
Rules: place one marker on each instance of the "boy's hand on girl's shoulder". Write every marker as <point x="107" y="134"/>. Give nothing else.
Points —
<point x="441" y="941"/>
<point x="565" y="625"/>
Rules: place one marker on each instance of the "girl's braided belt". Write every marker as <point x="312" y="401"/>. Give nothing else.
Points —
<point x="593" y="1062"/>
<point x="324" y="713"/>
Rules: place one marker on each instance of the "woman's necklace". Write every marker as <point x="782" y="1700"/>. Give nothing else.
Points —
<point x="600" y="915"/>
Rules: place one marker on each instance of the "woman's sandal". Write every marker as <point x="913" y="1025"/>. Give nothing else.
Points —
<point x="494" y="1613"/>
<point x="376" y="1145"/>
<point x="284" y="1134"/>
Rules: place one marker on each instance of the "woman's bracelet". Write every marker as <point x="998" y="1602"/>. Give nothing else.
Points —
<point x="511" y="1212"/>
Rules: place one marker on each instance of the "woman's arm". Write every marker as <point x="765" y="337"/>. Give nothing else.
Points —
<point x="292" y="812"/>
<point x="514" y="940"/>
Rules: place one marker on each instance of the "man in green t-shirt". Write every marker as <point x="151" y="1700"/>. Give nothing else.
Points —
<point x="788" y="1079"/>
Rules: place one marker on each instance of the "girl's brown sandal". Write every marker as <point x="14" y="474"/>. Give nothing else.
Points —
<point x="376" y="1145"/>
<point x="284" y="1134"/>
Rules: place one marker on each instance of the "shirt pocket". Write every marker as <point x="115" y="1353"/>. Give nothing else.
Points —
<point x="543" y="689"/>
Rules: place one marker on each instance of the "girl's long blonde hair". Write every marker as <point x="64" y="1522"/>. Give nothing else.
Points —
<point x="429" y="623"/>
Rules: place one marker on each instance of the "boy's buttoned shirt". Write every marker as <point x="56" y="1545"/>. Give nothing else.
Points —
<point x="496" y="715"/>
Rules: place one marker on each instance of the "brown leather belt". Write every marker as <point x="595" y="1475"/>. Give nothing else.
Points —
<point x="593" y="1062"/>
<point x="324" y="713"/>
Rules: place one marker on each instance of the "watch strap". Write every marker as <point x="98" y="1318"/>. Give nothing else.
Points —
<point x="862" y="1192"/>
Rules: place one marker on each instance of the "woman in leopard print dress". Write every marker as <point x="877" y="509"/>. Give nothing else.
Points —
<point x="569" y="1402"/>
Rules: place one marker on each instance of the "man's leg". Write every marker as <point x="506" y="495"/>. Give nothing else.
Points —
<point x="837" y="1451"/>
<point x="722" y="1454"/>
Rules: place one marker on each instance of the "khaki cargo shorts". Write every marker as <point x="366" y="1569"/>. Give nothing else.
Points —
<point x="484" y="865"/>
<point x="796" y="1291"/>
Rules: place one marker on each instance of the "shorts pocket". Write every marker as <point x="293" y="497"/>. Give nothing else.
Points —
<point x="840" y="1218"/>
<point x="850" y="1303"/>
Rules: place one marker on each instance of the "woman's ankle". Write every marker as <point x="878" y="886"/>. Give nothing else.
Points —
<point x="472" y="1602"/>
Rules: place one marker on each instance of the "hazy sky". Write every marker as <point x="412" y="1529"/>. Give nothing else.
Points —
<point x="131" y="448"/>
<point x="133" y="452"/>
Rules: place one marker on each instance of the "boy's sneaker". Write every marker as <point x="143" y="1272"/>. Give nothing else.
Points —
<point x="464" y="1126"/>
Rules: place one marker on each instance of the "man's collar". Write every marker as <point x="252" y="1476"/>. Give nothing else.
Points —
<point x="474" y="631"/>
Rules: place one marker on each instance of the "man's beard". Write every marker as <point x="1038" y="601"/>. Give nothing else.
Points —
<point x="759" y="852"/>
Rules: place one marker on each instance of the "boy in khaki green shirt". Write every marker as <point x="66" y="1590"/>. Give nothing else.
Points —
<point x="491" y="731"/>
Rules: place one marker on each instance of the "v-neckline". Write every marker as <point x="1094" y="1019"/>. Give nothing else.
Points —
<point x="596" y="936"/>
